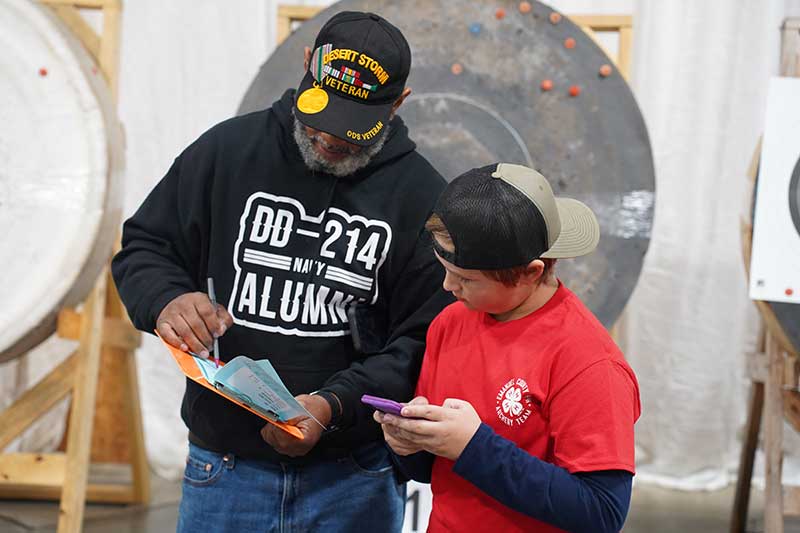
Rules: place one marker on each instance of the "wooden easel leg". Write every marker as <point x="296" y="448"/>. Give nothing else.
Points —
<point x="140" y="469"/>
<point x="37" y="401"/>
<point x="73" y="496"/>
<point x="773" y="438"/>
<point x="742" y="499"/>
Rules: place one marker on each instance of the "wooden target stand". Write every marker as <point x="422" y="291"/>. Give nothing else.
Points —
<point x="100" y="374"/>
<point x="774" y="370"/>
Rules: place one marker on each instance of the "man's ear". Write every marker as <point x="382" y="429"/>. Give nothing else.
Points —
<point x="397" y="103"/>
<point x="306" y="58"/>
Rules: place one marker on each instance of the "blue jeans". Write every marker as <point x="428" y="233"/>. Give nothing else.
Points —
<point x="223" y="493"/>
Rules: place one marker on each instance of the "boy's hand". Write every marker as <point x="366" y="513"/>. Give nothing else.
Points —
<point x="444" y="431"/>
<point x="286" y="444"/>
<point x="392" y="434"/>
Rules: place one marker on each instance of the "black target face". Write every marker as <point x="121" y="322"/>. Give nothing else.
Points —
<point x="794" y="197"/>
<point x="513" y="89"/>
<point x="788" y="314"/>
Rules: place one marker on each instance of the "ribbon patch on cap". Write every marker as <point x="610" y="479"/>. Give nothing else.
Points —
<point x="346" y="79"/>
<point x="312" y="100"/>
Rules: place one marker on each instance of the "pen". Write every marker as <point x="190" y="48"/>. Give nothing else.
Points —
<point x="213" y="297"/>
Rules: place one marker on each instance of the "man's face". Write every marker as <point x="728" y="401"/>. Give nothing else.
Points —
<point x="324" y="152"/>
<point x="330" y="148"/>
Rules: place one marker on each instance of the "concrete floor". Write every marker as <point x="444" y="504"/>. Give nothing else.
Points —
<point x="653" y="510"/>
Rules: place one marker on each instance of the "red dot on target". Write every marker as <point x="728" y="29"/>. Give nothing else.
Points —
<point x="456" y="68"/>
<point x="524" y="7"/>
<point x="546" y="85"/>
<point x="555" y="18"/>
<point x="605" y="70"/>
<point x="43" y="72"/>
<point x="569" y="43"/>
<point x="574" y="90"/>
<point x="500" y="13"/>
<point x="789" y="291"/>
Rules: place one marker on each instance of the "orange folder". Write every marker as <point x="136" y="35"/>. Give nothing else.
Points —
<point x="189" y="367"/>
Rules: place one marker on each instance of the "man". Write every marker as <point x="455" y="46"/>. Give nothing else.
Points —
<point x="300" y="213"/>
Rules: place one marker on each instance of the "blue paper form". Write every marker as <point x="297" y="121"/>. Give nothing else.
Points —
<point x="256" y="384"/>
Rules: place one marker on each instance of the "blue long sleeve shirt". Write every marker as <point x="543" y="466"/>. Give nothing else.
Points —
<point x="585" y="502"/>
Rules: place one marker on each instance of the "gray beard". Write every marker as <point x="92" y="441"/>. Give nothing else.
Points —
<point x="347" y="165"/>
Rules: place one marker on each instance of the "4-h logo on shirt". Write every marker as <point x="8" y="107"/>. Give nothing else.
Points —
<point x="512" y="405"/>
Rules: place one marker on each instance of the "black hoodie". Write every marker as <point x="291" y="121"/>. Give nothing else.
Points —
<point x="290" y="250"/>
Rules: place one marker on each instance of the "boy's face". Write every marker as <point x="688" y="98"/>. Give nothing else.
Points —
<point x="481" y="293"/>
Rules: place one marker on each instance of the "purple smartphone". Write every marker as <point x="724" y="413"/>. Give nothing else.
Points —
<point x="383" y="405"/>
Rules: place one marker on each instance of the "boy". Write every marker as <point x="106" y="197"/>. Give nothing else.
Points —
<point x="525" y="407"/>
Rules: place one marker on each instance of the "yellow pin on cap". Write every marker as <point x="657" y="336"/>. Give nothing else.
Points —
<point x="312" y="101"/>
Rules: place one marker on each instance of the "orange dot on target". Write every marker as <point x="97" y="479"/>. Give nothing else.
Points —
<point x="456" y="68"/>
<point x="500" y="13"/>
<point x="605" y="70"/>
<point x="43" y="72"/>
<point x="574" y="90"/>
<point x="789" y="291"/>
<point x="525" y="7"/>
<point x="546" y="85"/>
<point x="555" y="18"/>
<point x="569" y="43"/>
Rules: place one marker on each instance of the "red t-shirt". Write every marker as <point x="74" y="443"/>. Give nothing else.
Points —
<point x="553" y="382"/>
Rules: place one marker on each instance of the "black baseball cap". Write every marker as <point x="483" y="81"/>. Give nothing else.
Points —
<point x="504" y="215"/>
<point x="358" y="69"/>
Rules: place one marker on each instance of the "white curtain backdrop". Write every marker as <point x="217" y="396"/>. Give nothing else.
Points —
<point x="700" y="72"/>
<point x="700" y="75"/>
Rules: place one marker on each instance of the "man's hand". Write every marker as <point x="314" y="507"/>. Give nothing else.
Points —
<point x="393" y="435"/>
<point x="443" y="431"/>
<point x="191" y="323"/>
<point x="284" y="443"/>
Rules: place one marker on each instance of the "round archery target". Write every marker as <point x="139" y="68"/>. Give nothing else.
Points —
<point x="775" y="259"/>
<point x="794" y="197"/>
<point x="479" y="96"/>
<point x="60" y="156"/>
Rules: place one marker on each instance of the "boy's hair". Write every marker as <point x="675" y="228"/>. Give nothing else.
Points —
<point x="507" y="276"/>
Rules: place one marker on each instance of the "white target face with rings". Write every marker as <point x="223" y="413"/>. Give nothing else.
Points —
<point x="60" y="164"/>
